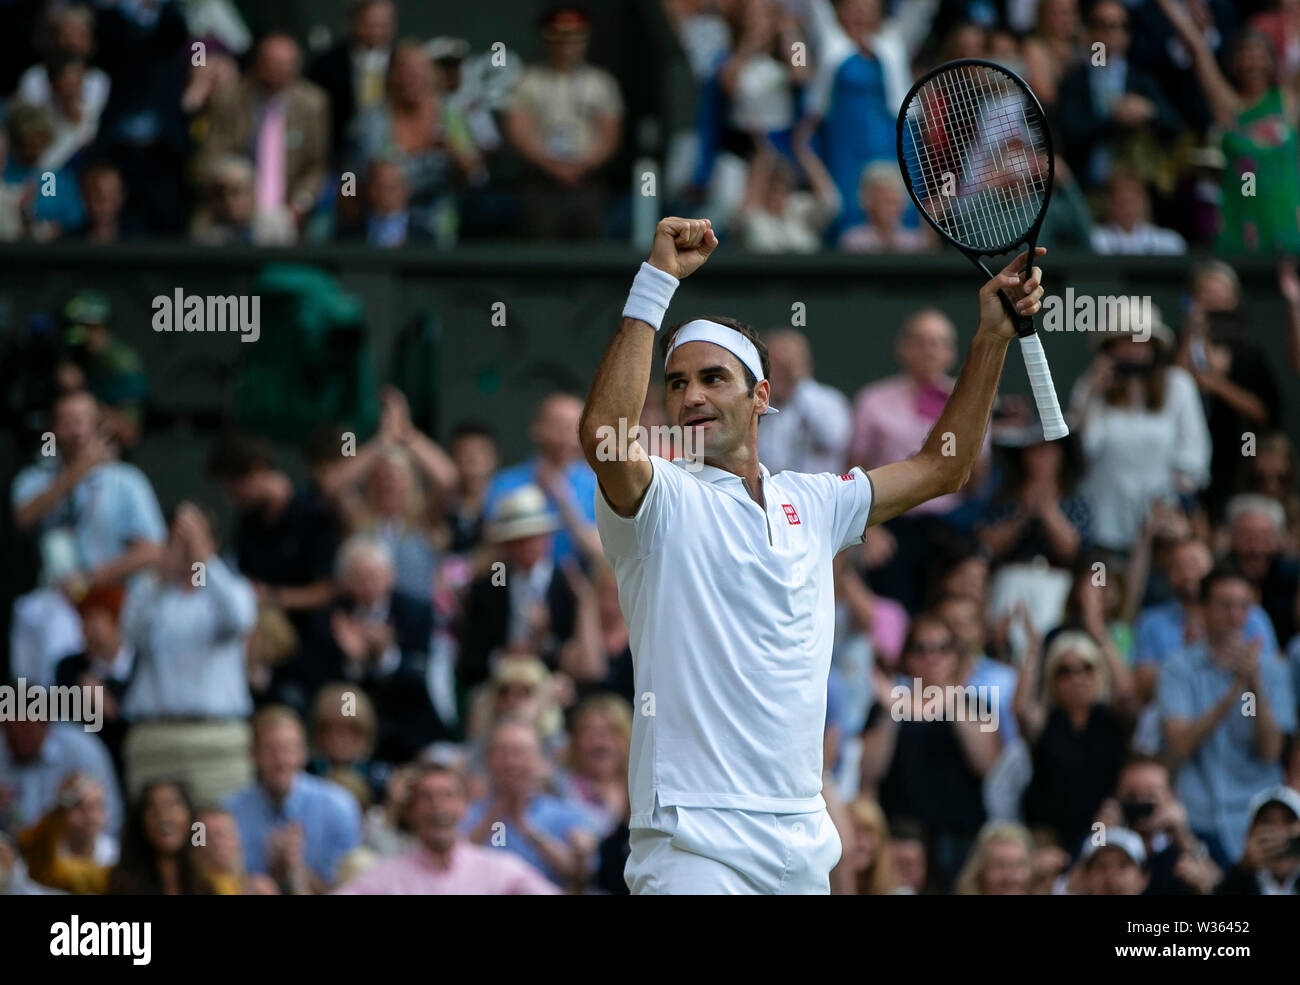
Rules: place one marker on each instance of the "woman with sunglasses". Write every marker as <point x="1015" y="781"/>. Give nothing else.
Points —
<point x="1076" y="738"/>
<point x="922" y="762"/>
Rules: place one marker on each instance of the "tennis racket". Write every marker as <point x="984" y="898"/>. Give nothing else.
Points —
<point x="976" y="155"/>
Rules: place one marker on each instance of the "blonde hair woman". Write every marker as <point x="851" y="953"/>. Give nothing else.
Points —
<point x="1077" y="740"/>
<point x="871" y="863"/>
<point x="1000" y="864"/>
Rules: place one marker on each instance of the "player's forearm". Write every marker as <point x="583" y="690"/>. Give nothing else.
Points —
<point x="618" y="392"/>
<point x="955" y="441"/>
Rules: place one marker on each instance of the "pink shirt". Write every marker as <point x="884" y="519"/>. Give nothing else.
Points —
<point x="474" y="870"/>
<point x="891" y="420"/>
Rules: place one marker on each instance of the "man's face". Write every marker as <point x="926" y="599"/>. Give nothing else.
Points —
<point x="1190" y="562"/>
<point x="1278" y="821"/>
<point x="566" y="49"/>
<point x="24" y="739"/>
<point x="277" y="63"/>
<point x="103" y="195"/>
<point x="706" y="393"/>
<point x="1126" y="202"/>
<point x="76" y="420"/>
<point x="514" y="760"/>
<point x="475" y="456"/>
<point x="859" y="18"/>
<point x="1109" y="25"/>
<point x="280" y="754"/>
<point x="555" y="429"/>
<point x="368" y="580"/>
<point x="1255" y="542"/>
<point x="1227" y="608"/>
<point x="927" y="351"/>
<point x="436" y="810"/>
<point x="387" y="189"/>
<point x="1147" y="784"/>
<point x="524" y="552"/>
<point x="788" y="357"/>
<point x="962" y="617"/>
<point x="88" y="817"/>
<point x="1214" y="292"/>
<point x="1112" y="873"/>
<point x="374" y="25"/>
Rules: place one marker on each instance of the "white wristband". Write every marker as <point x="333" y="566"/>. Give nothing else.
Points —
<point x="651" y="292"/>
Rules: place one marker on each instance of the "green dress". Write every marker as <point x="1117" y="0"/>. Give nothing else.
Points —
<point x="1265" y="143"/>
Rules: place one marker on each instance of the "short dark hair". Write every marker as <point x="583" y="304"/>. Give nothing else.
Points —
<point x="236" y="455"/>
<point x="471" y="428"/>
<point x="744" y="329"/>
<point x="1222" y="572"/>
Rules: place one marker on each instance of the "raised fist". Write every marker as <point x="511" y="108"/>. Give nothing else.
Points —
<point x="682" y="245"/>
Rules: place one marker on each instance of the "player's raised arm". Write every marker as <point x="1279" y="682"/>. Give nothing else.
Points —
<point x="944" y="463"/>
<point x="618" y="392"/>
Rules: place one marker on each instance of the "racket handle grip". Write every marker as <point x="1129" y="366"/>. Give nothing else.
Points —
<point x="1040" y="382"/>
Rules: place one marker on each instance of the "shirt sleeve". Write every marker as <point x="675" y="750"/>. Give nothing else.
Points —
<point x="141" y="517"/>
<point x="852" y="494"/>
<point x="637" y="536"/>
<point x="1146" y="649"/>
<point x="1173" y="691"/>
<point x="1276" y="682"/>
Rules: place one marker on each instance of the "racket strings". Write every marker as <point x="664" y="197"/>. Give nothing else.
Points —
<point x="978" y="152"/>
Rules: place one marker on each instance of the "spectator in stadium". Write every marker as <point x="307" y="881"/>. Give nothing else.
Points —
<point x="1225" y="712"/>
<point x="565" y="118"/>
<point x="388" y="220"/>
<point x="431" y="140"/>
<point x="864" y="72"/>
<point x="871" y="861"/>
<point x="964" y="618"/>
<point x="557" y="837"/>
<point x="228" y="215"/>
<point x="812" y="432"/>
<point x="891" y="419"/>
<point x="68" y="34"/>
<point x="776" y="216"/>
<point x="1001" y="863"/>
<point x="1115" y="865"/>
<point x="1164" y="630"/>
<point x="344" y="731"/>
<point x="1052" y="47"/>
<point x="921" y="764"/>
<point x="104" y="195"/>
<point x="1270" y="864"/>
<point x="381" y="640"/>
<point x="521" y="689"/>
<point x="294" y="826"/>
<point x="1076" y="737"/>
<point x="53" y="204"/>
<point x="474" y="453"/>
<point x="1142" y="428"/>
<point x="909" y="855"/>
<point x="598" y="657"/>
<point x="352" y="71"/>
<point x="98" y="360"/>
<point x="281" y="122"/>
<point x="158" y="854"/>
<point x="1144" y="802"/>
<point x="1257" y="117"/>
<point x="97" y="521"/>
<point x="105" y="661"/>
<point x="1116" y="115"/>
<point x="560" y="470"/>
<point x="68" y="849"/>
<point x="525" y="607"/>
<point x="1238" y="386"/>
<point x="188" y="697"/>
<point x="444" y="862"/>
<point x="594" y="766"/>
<point x="1257" y="525"/>
<point x="75" y="124"/>
<point x="35" y="759"/>
<point x="1128" y="228"/>
<point x="221" y="856"/>
<point x="1036" y="510"/>
<point x="284" y="543"/>
<point x="883" y="198"/>
<point x="1271" y="472"/>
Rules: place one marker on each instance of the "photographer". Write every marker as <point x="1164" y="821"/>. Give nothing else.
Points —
<point x="1143" y="431"/>
<point x="1270" y="865"/>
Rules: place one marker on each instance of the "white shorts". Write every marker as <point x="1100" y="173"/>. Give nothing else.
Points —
<point x="705" y="850"/>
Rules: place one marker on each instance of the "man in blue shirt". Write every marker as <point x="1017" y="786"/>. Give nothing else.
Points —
<point x="294" y="826"/>
<point x="1226" y="710"/>
<point x="559" y="470"/>
<point x="555" y="836"/>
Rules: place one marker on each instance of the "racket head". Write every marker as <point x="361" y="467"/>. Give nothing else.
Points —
<point x="976" y="156"/>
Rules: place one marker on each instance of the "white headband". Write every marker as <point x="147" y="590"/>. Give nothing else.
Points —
<point x="703" y="330"/>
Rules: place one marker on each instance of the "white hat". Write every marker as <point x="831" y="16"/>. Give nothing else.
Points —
<point x="523" y="512"/>
<point x="1129" y="842"/>
<point x="1274" y="795"/>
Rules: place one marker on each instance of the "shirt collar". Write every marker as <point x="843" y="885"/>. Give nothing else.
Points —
<point x="710" y="473"/>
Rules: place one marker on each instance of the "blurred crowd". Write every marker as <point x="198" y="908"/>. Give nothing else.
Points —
<point x="1174" y="120"/>
<point x="402" y="665"/>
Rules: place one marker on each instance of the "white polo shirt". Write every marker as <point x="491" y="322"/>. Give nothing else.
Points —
<point x="731" y="610"/>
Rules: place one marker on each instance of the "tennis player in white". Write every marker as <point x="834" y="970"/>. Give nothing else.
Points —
<point x="724" y="576"/>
